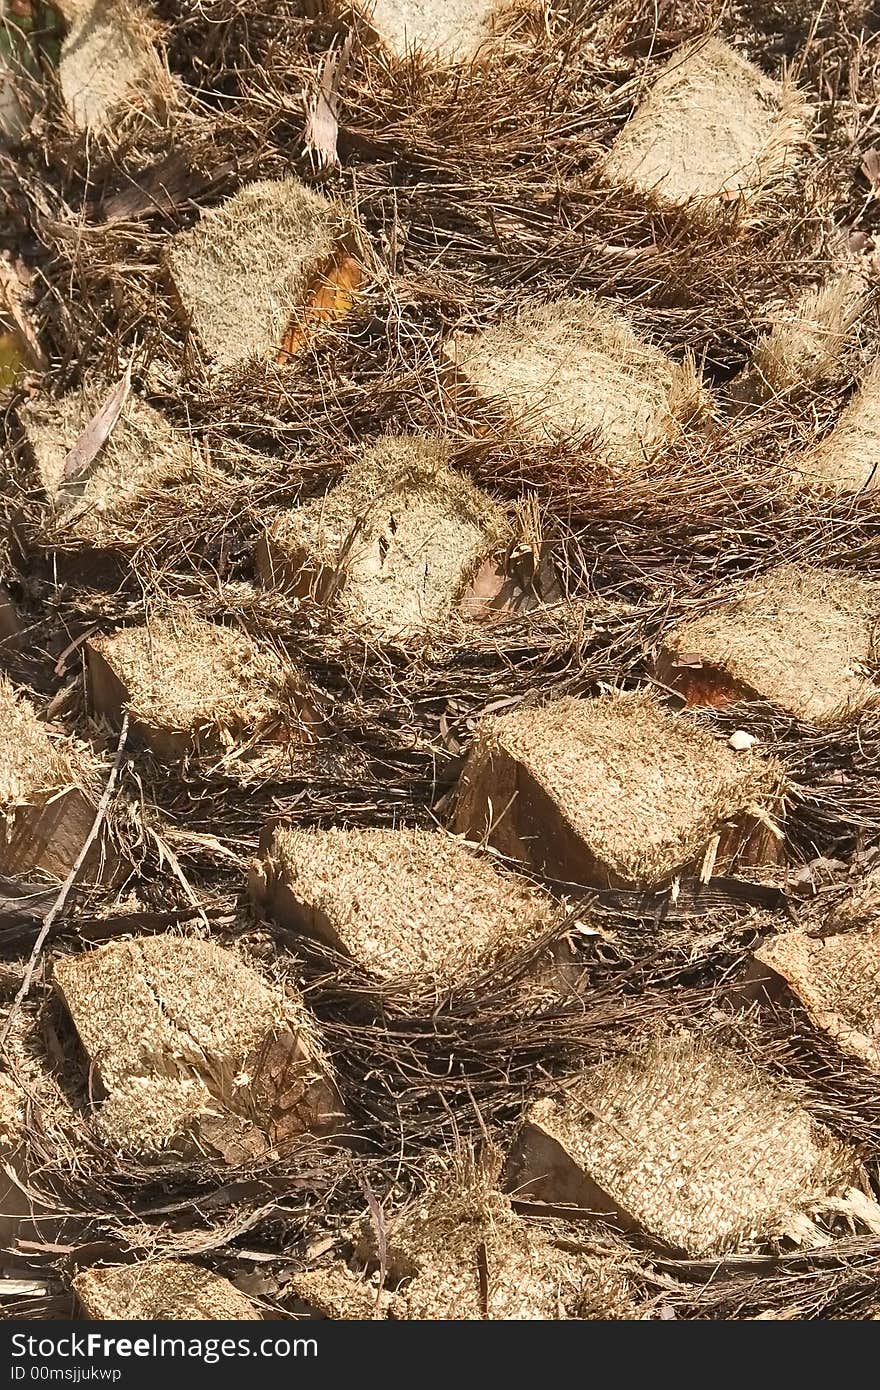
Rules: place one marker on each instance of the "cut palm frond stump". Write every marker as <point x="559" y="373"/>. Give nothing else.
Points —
<point x="49" y="793"/>
<point x="439" y="1243"/>
<point x="575" y="367"/>
<point x="96" y="513"/>
<point x="444" y="30"/>
<point x="160" y="1290"/>
<point x="192" y="687"/>
<point x="191" y="1050"/>
<point x="804" y="638"/>
<point x="713" y="131"/>
<point x="401" y="903"/>
<point x="335" y="1291"/>
<point x="394" y="543"/>
<point x="835" y="978"/>
<point x="807" y="337"/>
<point x="846" y="461"/>
<point x="683" y="1143"/>
<point x="460" y="1251"/>
<point x="110" y="63"/>
<point x="615" y="792"/>
<point x="251" y="278"/>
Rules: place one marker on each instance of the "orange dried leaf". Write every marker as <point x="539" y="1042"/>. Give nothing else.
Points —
<point x="334" y="297"/>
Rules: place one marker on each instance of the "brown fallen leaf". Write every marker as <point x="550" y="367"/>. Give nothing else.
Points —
<point x="97" y="431"/>
<point x="484" y="591"/>
<point x="858" y="243"/>
<point x="512" y="584"/>
<point x="871" y="168"/>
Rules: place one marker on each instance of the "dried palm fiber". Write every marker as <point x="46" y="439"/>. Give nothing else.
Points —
<point x="249" y="268"/>
<point x="615" y="792"/>
<point x="190" y="686"/>
<point x="14" y="76"/>
<point x="836" y="1283"/>
<point x="435" y="1246"/>
<point x="109" y="62"/>
<point x="11" y="627"/>
<point x="860" y="907"/>
<point x="100" y="506"/>
<point x="712" y="131"/>
<point x="335" y="1291"/>
<point x="807" y="337"/>
<point x="11" y="1115"/>
<point x="49" y="791"/>
<point x="574" y="366"/>
<point x="14" y="1205"/>
<point x="529" y="1276"/>
<point x="684" y="1143"/>
<point x="835" y="978"/>
<point x="803" y="637"/>
<point x="395" y="542"/>
<point x="193" y="1051"/>
<point x="31" y="1099"/>
<point x="846" y="460"/>
<point x="450" y="30"/>
<point x="160" y="1290"/>
<point x="411" y="903"/>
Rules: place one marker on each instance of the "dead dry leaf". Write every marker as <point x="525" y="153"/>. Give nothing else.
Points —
<point x="97" y="431"/>
<point x="322" y="107"/>
<point x="333" y="298"/>
<point x="484" y="590"/>
<point x="871" y="168"/>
